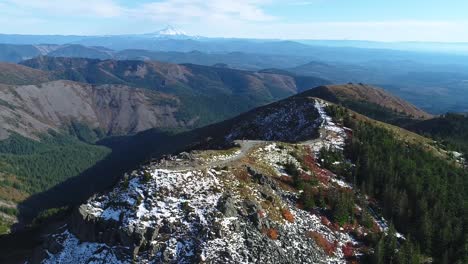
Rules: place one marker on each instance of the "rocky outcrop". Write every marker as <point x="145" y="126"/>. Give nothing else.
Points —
<point x="193" y="215"/>
<point x="291" y="120"/>
<point x="218" y="206"/>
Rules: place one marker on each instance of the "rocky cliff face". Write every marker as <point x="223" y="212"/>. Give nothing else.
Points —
<point x="225" y="206"/>
<point x="115" y="109"/>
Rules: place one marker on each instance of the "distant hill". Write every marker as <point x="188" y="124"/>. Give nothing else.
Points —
<point x="79" y="51"/>
<point x="371" y="101"/>
<point x="209" y="93"/>
<point x="17" y="53"/>
<point x="32" y="110"/>
<point x="20" y="75"/>
<point x="240" y="60"/>
<point x="450" y="129"/>
<point x="410" y="79"/>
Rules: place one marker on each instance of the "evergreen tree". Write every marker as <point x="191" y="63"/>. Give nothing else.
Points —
<point x="379" y="252"/>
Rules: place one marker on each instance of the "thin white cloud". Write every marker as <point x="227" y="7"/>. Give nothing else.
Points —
<point x="398" y="30"/>
<point x="202" y="10"/>
<point x="304" y="3"/>
<point x="100" y="8"/>
<point x="175" y="10"/>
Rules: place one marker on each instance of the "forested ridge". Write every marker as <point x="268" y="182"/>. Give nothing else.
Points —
<point x="422" y="194"/>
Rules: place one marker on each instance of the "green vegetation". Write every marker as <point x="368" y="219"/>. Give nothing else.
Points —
<point x="146" y="176"/>
<point x="85" y="133"/>
<point x="4" y="227"/>
<point x="335" y="161"/>
<point x="342" y="205"/>
<point x="387" y="250"/>
<point x="423" y="194"/>
<point x="8" y="210"/>
<point x="39" y="165"/>
<point x="292" y="171"/>
<point x="50" y="214"/>
<point x="378" y="112"/>
<point x="451" y="130"/>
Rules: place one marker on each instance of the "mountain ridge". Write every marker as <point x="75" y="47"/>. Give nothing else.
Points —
<point x="367" y="99"/>
<point x="220" y="93"/>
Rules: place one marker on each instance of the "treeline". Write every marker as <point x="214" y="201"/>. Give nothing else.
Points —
<point x="422" y="194"/>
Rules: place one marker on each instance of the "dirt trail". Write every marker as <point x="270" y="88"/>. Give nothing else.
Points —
<point x="245" y="147"/>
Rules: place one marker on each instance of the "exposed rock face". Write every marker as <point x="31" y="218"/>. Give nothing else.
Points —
<point x="291" y="120"/>
<point x="115" y="109"/>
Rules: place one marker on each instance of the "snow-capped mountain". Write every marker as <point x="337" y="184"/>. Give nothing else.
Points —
<point x="170" y="32"/>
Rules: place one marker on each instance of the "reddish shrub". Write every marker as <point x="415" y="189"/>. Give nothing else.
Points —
<point x="322" y="176"/>
<point x="325" y="220"/>
<point x="309" y="159"/>
<point x="335" y="227"/>
<point x="286" y="179"/>
<point x="271" y="233"/>
<point x="287" y="215"/>
<point x="348" y="250"/>
<point x="305" y="177"/>
<point x="323" y="243"/>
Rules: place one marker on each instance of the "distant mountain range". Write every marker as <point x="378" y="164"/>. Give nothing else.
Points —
<point x="174" y="33"/>
<point x="412" y="76"/>
<point x="173" y="39"/>
<point x="442" y="47"/>
<point x="173" y="96"/>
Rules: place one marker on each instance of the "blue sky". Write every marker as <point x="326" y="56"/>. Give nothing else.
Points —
<point x="382" y="20"/>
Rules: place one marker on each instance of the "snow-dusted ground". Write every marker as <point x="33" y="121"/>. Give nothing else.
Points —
<point x="331" y="135"/>
<point x="75" y="251"/>
<point x="459" y="157"/>
<point x="276" y="157"/>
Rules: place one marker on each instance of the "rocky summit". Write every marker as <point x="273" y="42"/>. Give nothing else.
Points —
<point x="237" y="205"/>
